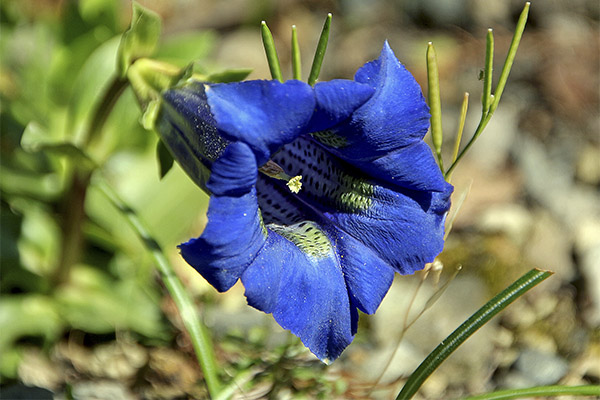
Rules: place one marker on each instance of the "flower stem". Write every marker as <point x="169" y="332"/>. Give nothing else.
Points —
<point x="467" y="328"/>
<point x="198" y="333"/>
<point x="74" y="201"/>
<point x="495" y="98"/>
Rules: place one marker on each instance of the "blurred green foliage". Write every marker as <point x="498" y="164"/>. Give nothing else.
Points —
<point x="57" y="61"/>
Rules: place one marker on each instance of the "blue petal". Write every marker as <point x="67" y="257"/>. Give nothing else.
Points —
<point x="411" y="167"/>
<point x="367" y="276"/>
<point x="397" y="114"/>
<point x="262" y="114"/>
<point x="189" y="130"/>
<point x="336" y="101"/>
<point x="306" y="294"/>
<point x="384" y="136"/>
<point x="234" y="233"/>
<point x="405" y="228"/>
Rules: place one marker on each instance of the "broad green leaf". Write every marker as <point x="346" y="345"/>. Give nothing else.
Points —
<point x="229" y="75"/>
<point x="93" y="78"/>
<point x="140" y="40"/>
<point x="165" y="159"/>
<point x="95" y="303"/>
<point x="182" y="48"/>
<point x="28" y="315"/>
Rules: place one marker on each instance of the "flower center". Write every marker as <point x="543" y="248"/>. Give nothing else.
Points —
<point x="272" y="169"/>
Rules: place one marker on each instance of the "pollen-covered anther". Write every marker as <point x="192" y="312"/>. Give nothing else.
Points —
<point x="272" y="169"/>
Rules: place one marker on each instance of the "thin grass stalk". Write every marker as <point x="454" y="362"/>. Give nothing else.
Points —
<point x="540" y="391"/>
<point x="467" y="328"/>
<point x="198" y="333"/>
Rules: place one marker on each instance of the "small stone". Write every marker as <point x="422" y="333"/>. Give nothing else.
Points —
<point x="541" y="368"/>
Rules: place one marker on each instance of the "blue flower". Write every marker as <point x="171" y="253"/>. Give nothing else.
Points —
<point x="372" y="202"/>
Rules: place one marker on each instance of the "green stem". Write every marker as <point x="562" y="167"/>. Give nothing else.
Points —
<point x="467" y="328"/>
<point x="198" y="333"/>
<point x="510" y="57"/>
<point x="540" y="391"/>
<point x="104" y="108"/>
<point x="74" y="202"/>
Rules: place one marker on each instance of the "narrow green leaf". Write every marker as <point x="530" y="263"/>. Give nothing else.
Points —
<point x="435" y="106"/>
<point x="495" y="98"/>
<point x="461" y="126"/>
<point x="199" y="335"/>
<point x="488" y="71"/>
<point x="510" y="57"/>
<point x="296" y="63"/>
<point x="467" y="328"/>
<point x="315" y="70"/>
<point x="540" y="391"/>
<point x="140" y="40"/>
<point x="165" y="158"/>
<point x="271" y="52"/>
<point x="229" y="75"/>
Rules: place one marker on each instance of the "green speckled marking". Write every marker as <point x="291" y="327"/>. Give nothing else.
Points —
<point x="330" y="139"/>
<point x="354" y="194"/>
<point x="307" y="236"/>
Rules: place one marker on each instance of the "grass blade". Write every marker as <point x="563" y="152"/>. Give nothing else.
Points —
<point x="320" y="53"/>
<point x="540" y="391"/>
<point x="198" y="332"/>
<point x="467" y="328"/>
<point x="296" y="63"/>
<point x="435" y="106"/>
<point x="271" y="52"/>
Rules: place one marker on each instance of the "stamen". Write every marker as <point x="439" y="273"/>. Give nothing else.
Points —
<point x="273" y="170"/>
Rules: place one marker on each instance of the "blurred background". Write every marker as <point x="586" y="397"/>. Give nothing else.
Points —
<point x="104" y="327"/>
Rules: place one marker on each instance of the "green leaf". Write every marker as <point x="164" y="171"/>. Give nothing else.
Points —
<point x="296" y="60"/>
<point x="433" y="96"/>
<point x="35" y="139"/>
<point x="140" y="40"/>
<point x="229" y="75"/>
<point x="486" y="97"/>
<point x="467" y="328"/>
<point x="165" y="158"/>
<point x="315" y="70"/>
<point x="93" y="302"/>
<point x="28" y="315"/>
<point x="271" y="52"/>
<point x="180" y="48"/>
<point x="540" y="391"/>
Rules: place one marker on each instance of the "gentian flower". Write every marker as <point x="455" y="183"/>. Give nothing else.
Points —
<point x="372" y="200"/>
